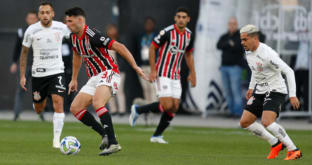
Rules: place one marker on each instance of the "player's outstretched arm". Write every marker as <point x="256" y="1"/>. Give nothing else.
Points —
<point x="73" y="85"/>
<point x="23" y="63"/>
<point x="125" y="53"/>
<point x="190" y="64"/>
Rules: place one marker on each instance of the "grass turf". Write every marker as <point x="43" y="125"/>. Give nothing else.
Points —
<point x="30" y="142"/>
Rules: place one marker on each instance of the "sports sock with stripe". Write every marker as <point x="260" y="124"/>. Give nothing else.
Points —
<point x="107" y="123"/>
<point x="86" y="118"/>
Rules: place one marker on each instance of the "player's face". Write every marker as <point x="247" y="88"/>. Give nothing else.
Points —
<point x="46" y="14"/>
<point x="248" y="42"/>
<point x="31" y="18"/>
<point x="181" y="19"/>
<point x="73" y="24"/>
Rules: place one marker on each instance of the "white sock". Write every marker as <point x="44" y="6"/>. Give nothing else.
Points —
<point x="281" y="134"/>
<point x="258" y="130"/>
<point x="58" y="123"/>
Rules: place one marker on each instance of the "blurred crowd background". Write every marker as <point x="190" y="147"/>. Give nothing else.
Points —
<point x="222" y="72"/>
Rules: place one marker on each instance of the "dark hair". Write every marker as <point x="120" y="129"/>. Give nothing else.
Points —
<point x="44" y="3"/>
<point x="183" y="9"/>
<point x="32" y="12"/>
<point x="75" y="11"/>
<point x="149" y="18"/>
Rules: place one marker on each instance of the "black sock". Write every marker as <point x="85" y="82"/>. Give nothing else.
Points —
<point x="164" y="122"/>
<point x="86" y="118"/>
<point x="107" y="123"/>
<point x="153" y="107"/>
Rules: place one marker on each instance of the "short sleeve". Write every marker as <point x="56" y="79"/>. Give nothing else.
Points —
<point x="27" y="41"/>
<point x="161" y="38"/>
<point x="190" y="47"/>
<point x="100" y="40"/>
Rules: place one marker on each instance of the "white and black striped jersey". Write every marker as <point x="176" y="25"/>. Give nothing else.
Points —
<point x="46" y="43"/>
<point x="172" y="45"/>
<point x="267" y="69"/>
<point x="93" y="47"/>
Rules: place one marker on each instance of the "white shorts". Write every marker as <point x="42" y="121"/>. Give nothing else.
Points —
<point x="166" y="87"/>
<point x="108" y="78"/>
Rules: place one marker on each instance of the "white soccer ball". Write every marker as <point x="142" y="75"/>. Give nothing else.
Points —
<point x="70" y="145"/>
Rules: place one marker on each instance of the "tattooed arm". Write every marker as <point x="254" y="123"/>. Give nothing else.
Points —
<point x="23" y="64"/>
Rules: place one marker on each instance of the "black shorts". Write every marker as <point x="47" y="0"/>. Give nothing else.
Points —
<point x="44" y="86"/>
<point x="271" y="101"/>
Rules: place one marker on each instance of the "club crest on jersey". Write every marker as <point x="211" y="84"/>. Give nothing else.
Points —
<point x="37" y="96"/>
<point x="259" y="67"/>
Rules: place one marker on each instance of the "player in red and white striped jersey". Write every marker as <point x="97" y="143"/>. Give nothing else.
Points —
<point x="92" y="47"/>
<point x="173" y="43"/>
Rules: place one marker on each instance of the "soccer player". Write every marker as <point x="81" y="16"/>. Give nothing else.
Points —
<point x="173" y="43"/>
<point x="45" y="37"/>
<point x="92" y="47"/>
<point x="266" y="93"/>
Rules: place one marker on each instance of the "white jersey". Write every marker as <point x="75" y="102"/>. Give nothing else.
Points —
<point x="46" y="43"/>
<point x="266" y="67"/>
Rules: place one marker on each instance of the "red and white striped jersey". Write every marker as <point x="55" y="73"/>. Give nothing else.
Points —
<point x="172" y="45"/>
<point x="93" y="47"/>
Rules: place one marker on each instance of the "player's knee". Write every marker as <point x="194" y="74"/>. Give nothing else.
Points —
<point x="74" y="109"/>
<point x="167" y="106"/>
<point x="244" y="123"/>
<point x="58" y="105"/>
<point x="97" y="103"/>
<point x="265" y="122"/>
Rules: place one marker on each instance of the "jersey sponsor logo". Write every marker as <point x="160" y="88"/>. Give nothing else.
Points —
<point x="102" y="38"/>
<point x="37" y="96"/>
<point x="87" y="55"/>
<point x="41" y="70"/>
<point x="175" y="50"/>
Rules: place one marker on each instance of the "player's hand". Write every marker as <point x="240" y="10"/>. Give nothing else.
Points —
<point x="141" y="73"/>
<point x="23" y="83"/>
<point x="153" y="75"/>
<point x="249" y="94"/>
<point x="294" y="102"/>
<point x="13" y="68"/>
<point x="73" y="86"/>
<point x="192" y="78"/>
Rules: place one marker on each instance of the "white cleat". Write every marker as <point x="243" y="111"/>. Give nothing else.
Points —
<point x="56" y="144"/>
<point x="158" y="139"/>
<point x="133" y="115"/>
<point x="113" y="148"/>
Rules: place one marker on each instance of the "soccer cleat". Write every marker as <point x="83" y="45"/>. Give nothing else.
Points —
<point x="56" y="144"/>
<point x="113" y="148"/>
<point x="158" y="139"/>
<point x="104" y="143"/>
<point x="293" y="155"/>
<point x="133" y="115"/>
<point x="275" y="150"/>
<point x="41" y="117"/>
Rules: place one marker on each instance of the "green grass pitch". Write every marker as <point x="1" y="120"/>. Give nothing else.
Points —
<point x="30" y="143"/>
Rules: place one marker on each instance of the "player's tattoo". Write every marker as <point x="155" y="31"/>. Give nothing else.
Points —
<point x="23" y="60"/>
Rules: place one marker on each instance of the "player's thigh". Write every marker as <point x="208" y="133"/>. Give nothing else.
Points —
<point x="176" y="104"/>
<point x="167" y="103"/>
<point x="102" y="94"/>
<point x="247" y="119"/>
<point x="39" y="106"/>
<point x="58" y="103"/>
<point x="271" y="107"/>
<point x="80" y="102"/>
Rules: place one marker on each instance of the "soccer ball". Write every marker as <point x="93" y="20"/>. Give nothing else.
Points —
<point x="70" y="145"/>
